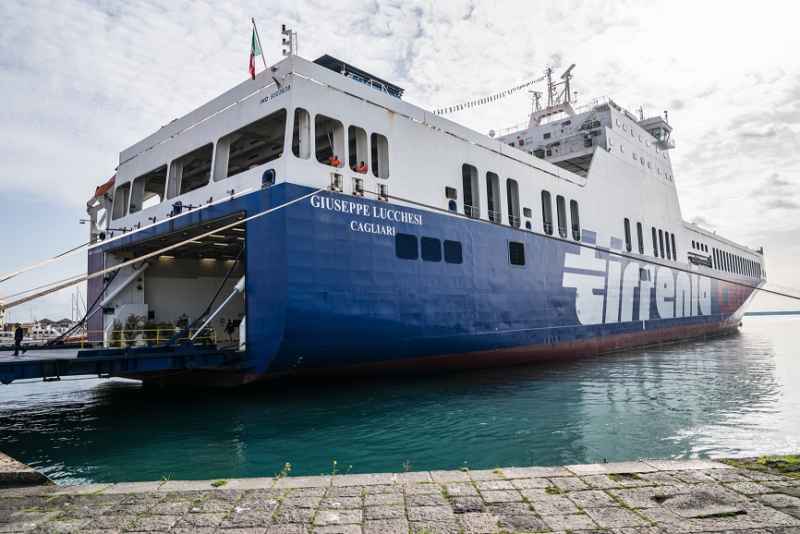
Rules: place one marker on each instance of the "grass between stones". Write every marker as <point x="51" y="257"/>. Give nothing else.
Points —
<point x="788" y="465"/>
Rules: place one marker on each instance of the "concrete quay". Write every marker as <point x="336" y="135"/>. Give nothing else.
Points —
<point x="641" y="497"/>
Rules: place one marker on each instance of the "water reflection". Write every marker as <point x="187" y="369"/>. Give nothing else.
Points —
<point x="726" y="396"/>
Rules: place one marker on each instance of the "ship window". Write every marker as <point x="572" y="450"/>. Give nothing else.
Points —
<point x="380" y="156"/>
<point x="655" y="242"/>
<point x="694" y="245"/>
<point x="516" y="253"/>
<point x="669" y="249"/>
<point x="301" y="134"/>
<point x="452" y="252"/>
<point x="547" y="213"/>
<point x="190" y="171"/>
<point x="546" y="136"/>
<point x="356" y="146"/>
<point x="469" y="177"/>
<point x="148" y="189"/>
<point x="431" y="249"/>
<point x="661" y="243"/>
<point x="561" y="211"/>
<point x="575" y="218"/>
<point x="328" y="139"/>
<point x="640" y="237"/>
<point x="405" y="246"/>
<point x="512" y="197"/>
<point x="493" y="197"/>
<point x="628" y="245"/>
<point x="714" y="258"/>
<point x="674" y="250"/>
<point x="450" y="192"/>
<point x="527" y="212"/>
<point x="121" y="196"/>
<point x="251" y="146"/>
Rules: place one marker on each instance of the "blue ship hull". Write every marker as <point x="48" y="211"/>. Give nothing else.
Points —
<point x="326" y="290"/>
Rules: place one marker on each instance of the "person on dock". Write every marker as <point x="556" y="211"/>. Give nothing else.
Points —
<point x="19" y="334"/>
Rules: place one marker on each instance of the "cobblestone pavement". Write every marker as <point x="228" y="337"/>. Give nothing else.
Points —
<point x="648" y="497"/>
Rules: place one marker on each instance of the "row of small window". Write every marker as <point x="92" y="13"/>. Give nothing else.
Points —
<point x="469" y="175"/>
<point x="641" y="160"/>
<point x="407" y="247"/>
<point x="360" y="152"/>
<point x="697" y="245"/>
<point x="663" y="242"/>
<point x="250" y="146"/>
<point x="732" y="263"/>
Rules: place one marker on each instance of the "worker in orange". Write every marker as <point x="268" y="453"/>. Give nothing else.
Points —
<point x="334" y="161"/>
<point x="361" y="167"/>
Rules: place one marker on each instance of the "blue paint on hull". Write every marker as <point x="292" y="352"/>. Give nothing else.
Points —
<point x="322" y="295"/>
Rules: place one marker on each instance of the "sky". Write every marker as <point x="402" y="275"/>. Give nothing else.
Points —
<point x="82" y="80"/>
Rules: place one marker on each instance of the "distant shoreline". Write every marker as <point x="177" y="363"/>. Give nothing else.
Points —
<point x="787" y="312"/>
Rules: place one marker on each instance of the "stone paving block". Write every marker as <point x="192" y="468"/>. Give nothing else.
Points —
<point x="507" y="508"/>
<point x="338" y="517"/>
<point x="293" y="515"/>
<point x="444" y="477"/>
<point x="382" y="499"/>
<point x="501" y="496"/>
<point x="155" y="523"/>
<point x="649" y="497"/>
<point x="430" y="513"/>
<point x="601" y="482"/>
<point x="684" y="465"/>
<point x="169" y="507"/>
<point x="381" y="489"/>
<point x="414" y="477"/>
<point x="727" y="475"/>
<point x="384" y="512"/>
<point x="569" y="483"/>
<point x="748" y="488"/>
<point x="429" y="527"/>
<point x="298" y="502"/>
<point x="462" y="505"/>
<point x="611" y="468"/>
<point x="554" y="504"/>
<point x="364" y="480"/>
<point x="421" y="489"/>
<point x="779" y="500"/>
<point x="692" y="477"/>
<point x="303" y="482"/>
<point x="523" y="522"/>
<point x="343" y="503"/>
<point x="478" y="523"/>
<point x="528" y="483"/>
<point x="569" y="522"/>
<point x="660" y="478"/>
<point x="200" y="520"/>
<point x="461" y="489"/>
<point x="246" y="518"/>
<point x="284" y="529"/>
<point x="493" y="485"/>
<point x="486" y="474"/>
<point x="534" y="472"/>
<point x="435" y="499"/>
<point x="591" y="499"/>
<point x="615" y="517"/>
<point x="346" y="491"/>
<point x="385" y="526"/>
<point x="134" y="487"/>
<point x="114" y="522"/>
<point x="338" y="529"/>
<point x="759" y="476"/>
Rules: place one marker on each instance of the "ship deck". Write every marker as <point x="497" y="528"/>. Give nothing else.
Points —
<point x="54" y="364"/>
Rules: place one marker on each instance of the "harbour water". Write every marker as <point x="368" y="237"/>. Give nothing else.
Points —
<point x="725" y="397"/>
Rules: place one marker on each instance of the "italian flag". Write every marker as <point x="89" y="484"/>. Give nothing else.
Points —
<point x="255" y="50"/>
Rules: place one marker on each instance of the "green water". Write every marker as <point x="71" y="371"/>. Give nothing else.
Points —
<point x="732" y="396"/>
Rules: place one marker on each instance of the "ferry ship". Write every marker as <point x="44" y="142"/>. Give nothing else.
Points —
<point x="354" y="231"/>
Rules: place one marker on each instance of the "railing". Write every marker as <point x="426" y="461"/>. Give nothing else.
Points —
<point x="472" y="211"/>
<point x="514" y="221"/>
<point x="158" y="336"/>
<point x="495" y="216"/>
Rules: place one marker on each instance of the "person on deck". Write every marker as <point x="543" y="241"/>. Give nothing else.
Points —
<point x="19" y="334"/>
<point x="361" y="167"/>
<point x="334" y="161"/>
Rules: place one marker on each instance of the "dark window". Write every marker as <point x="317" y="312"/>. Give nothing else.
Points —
<point x="250" y="146"/>
<point x="575" y="218"/>
<point x="516" y="253"/>
<point x="655" y="242"/>
<point x="661" y="243"/>
<point x="628" y="244"/>
<point x="380" y="155"/>
<point x="527" y="212"/>
<point x="512" y="198"/>
<point x="640" y="237"/>
<point x="450" y="192"/>
<point x="493" y="197"/>
<point x="547" y="213"/>
<point x="714" y="257"/>
<point x="405" y="246"/>
<point x="694" y="245"/>
<point x="561" y="211"/>
<point x="669" y="249"/>
<point x="674" y="250"/>
<point x="546" y="136"/>
<point x="469" y="178"/>
<point x="431" y="249"/>
<point x="301" y="134"/>
<point x="452" y="252"/>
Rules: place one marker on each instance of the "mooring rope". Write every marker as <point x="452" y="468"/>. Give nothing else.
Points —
<point x="74" y="280"/>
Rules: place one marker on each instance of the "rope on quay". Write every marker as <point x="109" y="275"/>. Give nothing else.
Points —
<point x="95" y="243"/>
<point x="73" y="280"/>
